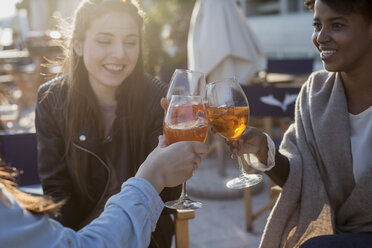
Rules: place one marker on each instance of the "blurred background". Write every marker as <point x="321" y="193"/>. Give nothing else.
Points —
<point x="29" y="36"/>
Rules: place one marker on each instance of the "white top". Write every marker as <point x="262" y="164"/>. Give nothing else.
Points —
<point x="361" y="141"/>
<point x="361" y="145"/>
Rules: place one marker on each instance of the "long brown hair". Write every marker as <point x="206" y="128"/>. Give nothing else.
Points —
<point x="81" y="103"/>
<point x="35" y="204"/>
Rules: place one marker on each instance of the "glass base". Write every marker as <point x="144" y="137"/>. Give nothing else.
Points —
<point x="184" y="204"/>
<point x="244" y="181"/>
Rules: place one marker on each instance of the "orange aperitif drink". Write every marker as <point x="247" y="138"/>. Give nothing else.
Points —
<point x="230" y="122"/>
<point x="185" y="124"/>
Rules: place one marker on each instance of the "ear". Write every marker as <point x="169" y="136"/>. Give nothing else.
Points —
<point x="78" y="47"/>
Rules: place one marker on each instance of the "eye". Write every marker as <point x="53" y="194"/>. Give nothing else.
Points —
<point x="131" y="42"/>
<point x="103" y="41"/>
<point x="337" y="25"/>
<point x="317" y="26"/>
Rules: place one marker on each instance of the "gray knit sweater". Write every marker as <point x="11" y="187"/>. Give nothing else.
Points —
<point x="320" y="195"/>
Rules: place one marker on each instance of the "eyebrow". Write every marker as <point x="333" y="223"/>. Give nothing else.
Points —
<point x="110" y="34"/>
<point x="333" y="19"/>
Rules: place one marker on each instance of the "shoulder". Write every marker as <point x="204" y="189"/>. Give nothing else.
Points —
<point x="318" y="80"/>
<point x="53" y="84"/>
<point x="53" y="90"/>
<point x="156" y="86"/>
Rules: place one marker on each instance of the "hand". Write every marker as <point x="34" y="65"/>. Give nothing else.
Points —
<point x="164" y="104"/>
<point x="253" y="141"/>
<point x="169" y="166"/>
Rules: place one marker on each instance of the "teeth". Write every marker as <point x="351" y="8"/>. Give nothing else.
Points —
<point x="328" y="52"/>
<point x="113" y="67"/>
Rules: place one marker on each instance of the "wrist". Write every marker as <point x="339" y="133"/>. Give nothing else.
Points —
<point x="155" y="179"/>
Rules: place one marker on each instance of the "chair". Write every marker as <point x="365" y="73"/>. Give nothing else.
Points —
<point x="287" y="70"/>
<point x="181" y="226"/>
<point x="295" y="66"/>
<point x="20" y="151"/>
<point x="271" y="110"/>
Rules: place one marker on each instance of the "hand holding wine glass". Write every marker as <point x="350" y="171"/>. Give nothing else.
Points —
<point x="185" y="120"/>
<point x="228" y="113"/>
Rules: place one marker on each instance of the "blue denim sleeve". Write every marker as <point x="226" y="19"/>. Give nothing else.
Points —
<point x="128" y="220"/>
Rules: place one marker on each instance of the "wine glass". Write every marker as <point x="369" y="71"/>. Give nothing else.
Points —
<point x="185" y="120"/>
<point x="228" y="113"/>
<point x="9" y="114"/>
<point x="187" y="83"/>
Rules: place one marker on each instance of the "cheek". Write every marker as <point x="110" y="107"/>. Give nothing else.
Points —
<point x="314" y="38"/>
<point x="134" y="54"/>
<point x="92" y="61"/>
<point x="92" y="56"/>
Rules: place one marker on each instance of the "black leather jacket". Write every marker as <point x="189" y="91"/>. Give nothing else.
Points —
<point x="126" y="148"/>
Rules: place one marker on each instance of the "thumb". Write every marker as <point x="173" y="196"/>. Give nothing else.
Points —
<point x="162" y="142"/>
<point x="164" y="103"/>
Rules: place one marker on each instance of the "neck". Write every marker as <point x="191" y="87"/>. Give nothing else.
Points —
<point x="105" y="95"/>
<point x="358" y="90"/>
<point x="106" y="99"/>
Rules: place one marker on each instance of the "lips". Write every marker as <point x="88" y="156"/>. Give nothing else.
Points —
<point x="326" y="54"/>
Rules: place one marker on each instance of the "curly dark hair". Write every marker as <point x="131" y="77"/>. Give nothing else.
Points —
<point x="363" y="7"/>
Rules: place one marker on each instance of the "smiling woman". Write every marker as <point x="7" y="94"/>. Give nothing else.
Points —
<point x="110" y="52"/>
<point x="325" y="158"/>
<point x="99" y="120"/>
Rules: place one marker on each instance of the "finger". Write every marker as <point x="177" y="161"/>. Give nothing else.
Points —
<point x="195" y="146"/>
<point x="248" y="133"/>
<point x="200" y="148"/>
<point x="164" y="103"/>
<point x="162" y="142"/>
<point x="197" y="159"/>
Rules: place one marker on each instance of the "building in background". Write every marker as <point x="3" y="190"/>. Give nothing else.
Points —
<point x="283" y="28"/>
<point x="271" y="7"/>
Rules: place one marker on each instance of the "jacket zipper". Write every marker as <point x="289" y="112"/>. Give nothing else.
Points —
<point x="104" y="164"/>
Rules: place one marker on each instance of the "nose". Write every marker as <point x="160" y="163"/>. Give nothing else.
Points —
<point x="322" y="36"/>
<point x="118" y="51"/>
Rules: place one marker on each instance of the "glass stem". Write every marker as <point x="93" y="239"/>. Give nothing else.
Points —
<point x="183" y="192"/>
<point x="241" y="166"/>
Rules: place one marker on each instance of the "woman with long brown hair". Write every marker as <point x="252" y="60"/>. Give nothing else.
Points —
<point x="98" y="121"/>
<point x="128" y="219"/>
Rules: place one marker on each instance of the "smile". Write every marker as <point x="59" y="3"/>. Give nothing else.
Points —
<point x="114" y="67"/>
<point x="324" y="54"/>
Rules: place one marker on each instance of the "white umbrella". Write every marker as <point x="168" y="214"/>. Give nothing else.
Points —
<point x="221" y="44"/>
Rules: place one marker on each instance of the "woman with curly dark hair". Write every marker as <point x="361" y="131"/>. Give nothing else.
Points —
<point x="324" y="163"/>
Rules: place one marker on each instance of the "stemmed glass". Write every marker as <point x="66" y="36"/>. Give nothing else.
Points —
<point x="187" y="83"/>
<point x="185" y="120"/>
<point x="228" y="113"/>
